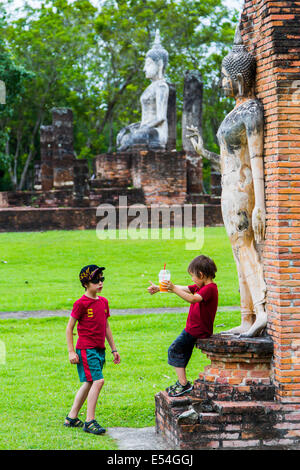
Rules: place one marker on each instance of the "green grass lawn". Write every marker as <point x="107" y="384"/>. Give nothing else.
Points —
<point x="37" y="382"/>
<point x="41" y="269"/>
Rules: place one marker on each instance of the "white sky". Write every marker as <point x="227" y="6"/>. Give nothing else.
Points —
<point x="230" y="3"/>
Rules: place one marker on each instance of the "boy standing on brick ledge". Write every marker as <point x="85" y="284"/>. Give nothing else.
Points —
<point x="203" y="297"/>
<point x="92" y="312"/>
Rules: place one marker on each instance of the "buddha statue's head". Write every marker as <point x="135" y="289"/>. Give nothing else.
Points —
<point x="238" y="69"/>
<point x="156" y="60"/>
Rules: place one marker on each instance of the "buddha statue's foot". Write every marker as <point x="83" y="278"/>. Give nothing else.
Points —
<point x="238" y="330"/>
<point x="257" y="328"/>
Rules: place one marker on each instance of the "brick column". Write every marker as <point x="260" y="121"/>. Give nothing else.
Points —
<point x="63" y="154"/>
<point x="46" y="146"/>
<point x="172" y="118"/>
<point x="192" y="116"/>
<point x="271" y="31"/>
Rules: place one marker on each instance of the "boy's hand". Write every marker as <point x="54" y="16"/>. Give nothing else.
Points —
<point x="73" y="357"/>
<point x="117" y="358"/>
<point x="170" y="286"/>
<point x="153" y="288"/>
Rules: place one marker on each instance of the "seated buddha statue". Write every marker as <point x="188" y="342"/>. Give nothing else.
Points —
<point x="152" y="132"/>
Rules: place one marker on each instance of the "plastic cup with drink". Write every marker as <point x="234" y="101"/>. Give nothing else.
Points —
<point x="164" y="275"/>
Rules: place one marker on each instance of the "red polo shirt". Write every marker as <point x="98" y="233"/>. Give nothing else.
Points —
<point x="92" y="315"/>
<point x="200" y="320"/>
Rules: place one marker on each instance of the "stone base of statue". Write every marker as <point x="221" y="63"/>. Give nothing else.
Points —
<point x="161" y="175"/>
<point x="232" y="404"/>
<point x="239" y="369"/>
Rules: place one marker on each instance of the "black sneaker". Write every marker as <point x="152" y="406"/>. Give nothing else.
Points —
<point x="179" y="389"/>
<point x="172" y="386"/>
<point x="93" y="427"/>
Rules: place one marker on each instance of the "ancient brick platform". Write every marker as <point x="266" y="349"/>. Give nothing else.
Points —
<point x="162" y="175"/>
<point x="232" y="405"/>
<point x="185" y="423"/>
<point x="240" y="369"/>
<point x="23" y="219"/>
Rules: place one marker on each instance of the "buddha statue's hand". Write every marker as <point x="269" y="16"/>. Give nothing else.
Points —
<point x="259" y="223"/>
<point x="196" y="140"/>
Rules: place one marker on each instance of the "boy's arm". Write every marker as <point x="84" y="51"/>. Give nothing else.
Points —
<point x="110" y="339"/>
<point x="184" y="294"/>
<point x="184" y="288"/>
<point x="154" y="288"/>
<point x="73" y="357"/>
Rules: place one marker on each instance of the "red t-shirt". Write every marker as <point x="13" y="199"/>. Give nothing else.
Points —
<point x="200" y="320"/>
<point x="91" y="315"/>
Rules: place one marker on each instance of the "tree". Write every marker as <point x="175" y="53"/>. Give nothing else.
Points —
<point x="189" y="30"/>
<point x="14" y="78"/>
<point x="92" y="62"/>
<point x="54" y="42"/>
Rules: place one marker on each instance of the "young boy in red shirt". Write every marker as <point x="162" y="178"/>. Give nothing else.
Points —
<point x="92" y="312"/>
<point x="203" y="297"/>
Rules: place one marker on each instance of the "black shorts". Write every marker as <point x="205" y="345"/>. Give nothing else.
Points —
<point x="180" y="351"/>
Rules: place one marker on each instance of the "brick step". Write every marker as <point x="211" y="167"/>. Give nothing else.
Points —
<point x="228" y="424"/>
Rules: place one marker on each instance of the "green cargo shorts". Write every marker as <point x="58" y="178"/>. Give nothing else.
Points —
<point x="91" y="362"/>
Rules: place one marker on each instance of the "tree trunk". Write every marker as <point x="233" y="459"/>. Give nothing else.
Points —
<point x="32" y="151"/>
<point x="10" y="169"/>
<point x="110" y="144"/>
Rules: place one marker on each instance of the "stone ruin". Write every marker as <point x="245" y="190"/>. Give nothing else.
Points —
<point x="64" y="187"/>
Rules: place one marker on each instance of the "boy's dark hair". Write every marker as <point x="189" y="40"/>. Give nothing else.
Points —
<point x="203" y="264"/>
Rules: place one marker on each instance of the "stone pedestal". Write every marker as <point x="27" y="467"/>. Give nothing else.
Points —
<point x="240" y="369"/>
<point x="232" y="405"/>
<point x="112" y="170"/>
<point x="162" y="175"/>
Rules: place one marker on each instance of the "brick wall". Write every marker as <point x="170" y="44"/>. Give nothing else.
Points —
<point x="112" y="169"/>
<point x="51" y="217"/>
<point x="271" y="31"/>
<point x="162" y="175"/>
<point x="228" y="425"/>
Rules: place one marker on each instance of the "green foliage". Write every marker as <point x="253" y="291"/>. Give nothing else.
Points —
<point x="14" y="77"/>
<point x="190" y="31"/>
<point x="54" y="42"/>
<point x="92" y="61"/>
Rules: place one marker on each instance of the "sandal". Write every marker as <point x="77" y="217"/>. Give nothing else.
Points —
<point x="73" y="423"/>
<point x="93" y="427"/>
